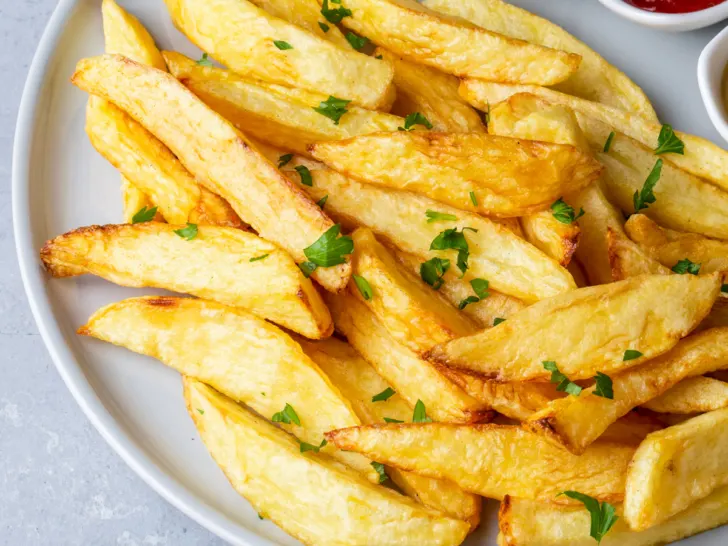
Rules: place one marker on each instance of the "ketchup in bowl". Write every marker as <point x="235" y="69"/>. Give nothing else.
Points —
<point x="674" y="6"/>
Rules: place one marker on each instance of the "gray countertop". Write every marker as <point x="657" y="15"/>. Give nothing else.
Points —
<point x="60" y="484"/>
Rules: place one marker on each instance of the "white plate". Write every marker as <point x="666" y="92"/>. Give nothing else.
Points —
<point x="60" y="183"/>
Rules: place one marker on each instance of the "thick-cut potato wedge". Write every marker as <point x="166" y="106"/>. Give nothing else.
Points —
<point x="509" y="177"/>
<point x="305" y="14"/>
<point x="455" y="290"/>
<point x="669" y="246"/>
<point x="433" y="94"/>
<point x="595" y="79"/>
<point x="308" y="495"/>
<point x="577" y="421"/>
<point x="241" y="36"/>
<point x="554" y="238"/>
<point x="675" y="467"/>
<point x="692" y="395"/>
<point x="531" y="523"/>
<point x="125" y="35"/>
<point x="492" y="460"/>
<point x="218" y="155"/>
<point x="626" y="259"/>
<point x="358" y="382"/>
<point x="215" y="265"/>
<point x="413" y="313"/>
<point x="134" y="200"/>
<point x="242" y="356"/>
<point x="271" y="112"/>
<point x="455" y="46"/>
<point x="587" y="330"/>
<point x="413" y="378"/>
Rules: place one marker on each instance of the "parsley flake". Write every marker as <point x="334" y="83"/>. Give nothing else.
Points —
<point x="669" y="142"/>
<point x="332" y="108"/>
<point x="386" y="394"/>
<point x="321" y="202"/>
<point x="390" y="420"/>
<point x="642" y="199"/>
<point x="563" y="383"/>
<point x="284" y="160"/>
<point x="603" y="515"/>
<point x="432" y="272"/>
<point x="498" y="320"/>
<point x="280" y="44"/>
<point x="420" y="414"/>
<point x="202" y="412"/>
<point x="364" y="287"/>
<point x="467" y="301"/>
<point x="608" y="143"/>
<point x="413" y="119"/>
<point x="324" y="26"/>
<point x="565" y="213"/>
<point x="188" y="232"/>
<point x="631" y="354"/>
<point x="305" y="175"/>
<point x="603" y="386"/>
<point x="434" y="216"/>
<point x="452" y="239"/>
<point x="307" y="268"/>
<point x="144" y="215"/>
<point x="304" y="446"/>
<point x="334" y="15"/>
<point x="686" y="266"/>
<point x="473" y="199"/>
<point x="480" y="287"/>
<point x="379" y="467"/>
<point x="357" y="42"/>
<point x="204" y="60"/>
<point x="287" y="416"/>
<point x="258" y="258"/>
<point x="724" y="288"/>
<point x="330" y="249"/>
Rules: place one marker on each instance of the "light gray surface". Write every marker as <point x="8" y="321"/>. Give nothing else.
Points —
<point x="59" y="482"/>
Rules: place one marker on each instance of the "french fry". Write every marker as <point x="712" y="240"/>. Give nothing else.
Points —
<point x="577" y="421"/>
<point x="632" y="429"/>
<point x="669" y="246"/>
<point x="433" y="94"/>
<point x="492" y="460"/>
<point x="587" y="330"/>
<point x="242" y="356"/>
<point x="692" y="395"/>
<point x="413" y="313"/>
<point x="552" y="237"/>
<point x="455" y="290"/>
<point x="413" y="378"/>
<point x="226" y="265"/>
<point x="135" y="200"/>
<point x="595" y="80"/>
<point x="218" y="155"/>
<point x="271" y="112"/>
<point x="701" y="157"/>
<point x="508" y="177"/>
<point x="359" y="383"/>
<point x="242" y="37"/>
<point x="125" y="35"/>
<point x="531" y="523"/>
<point x="626" y="259"/>
<point x="309" y="496"/>
<point x="454" y="46"/>
<point x="674" y="468"/>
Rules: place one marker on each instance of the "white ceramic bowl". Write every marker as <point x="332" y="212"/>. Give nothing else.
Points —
<point x="711" y="67"/>
<point x="672" y="22"/>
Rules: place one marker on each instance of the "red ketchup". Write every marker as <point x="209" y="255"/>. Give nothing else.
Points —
<point x="674" y="6"/>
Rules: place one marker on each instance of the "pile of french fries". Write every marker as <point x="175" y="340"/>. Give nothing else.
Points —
<point x="437" y="252"/>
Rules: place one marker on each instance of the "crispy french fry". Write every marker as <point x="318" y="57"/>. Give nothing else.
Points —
<point x="577" y="421"/>
<point x="595" y="79"/>
<point x="433" y="94"/>
<point x="413" y="378"/>
<point x="692" y="395"/>
<point x="305" y="14"/>
<point x="125" y="35"/>
<point x="135" y="200"/>
<point x="508" y="177"/>
<point x="271" y="112"/>
<point x="531" y="523"/>
<point x="669" y="246"/>
<point x="413" y="313"/>
<point x="226" y="265"/>
<point x="626" y="259"/>
<point x="674" y="468"/>
<point x="309" y="496"/>
<point x="219" y="156"/>
<point x="454" y="46"/>
<point x="701" y="157"/>
<point x="554" y="238"/>
<point x="492" y="460"/>
<point x="455" y="290"/>
<point x="242" y="356"/>
<point x="587" y="330"/>
<point x="242" y="37"/>
<point x="359" y="383"/>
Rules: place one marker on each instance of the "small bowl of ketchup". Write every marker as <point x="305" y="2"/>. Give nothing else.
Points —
<point x="671" y="15"/>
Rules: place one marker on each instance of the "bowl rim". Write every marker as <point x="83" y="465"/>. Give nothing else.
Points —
<point x="710" y="81"/>
<point x="669" y="21"/>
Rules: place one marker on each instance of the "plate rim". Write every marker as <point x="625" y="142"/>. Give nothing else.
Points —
<point x="34" y="282"/>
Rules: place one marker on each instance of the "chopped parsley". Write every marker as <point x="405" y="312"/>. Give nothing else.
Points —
<point x="258" y="258"/>
<point x="287" y="416"/>
<point x="330" y="249"/>
<point x="668" y="142"/>
<point x="473" y="199"/>
<point x="305" y="175"/>
<point x="357" y="42"/>
<point x="386" y="394"/>
<point x="434" y="216"/>
<point x="202" y="412"/>
<point x="334" y="15"/>
<point x="467" y="301"/>
<point x="603" y="516"/>
<point x="562" y="382"/>
<point x="631" y="354"/>
<point x="364" y="287"/>
<point x="321" y="202"/>
<point x="480" y="287"/>
<point x="608" y="143"/>
<point x="686" y="266"/>
<point x="642" y="199"/>
<point x="420" y="414"/>
<point x="309" y="447"/>
<point x="413" y="119"/>
<point x="379" y="467"/>
<point x="390" y="420"/>
<point x="188" y="232"/>
<point x="280" y="44"/>
<point x="432" y="271"/>
<point x="724" y="288"/>
<point x="603" y="386"/>
<point x="498" y="320"/>
<point x="144" y="215"/>
<point x="565" y="213"/>
<point x="452" y="239"/>
<point x="284" y="160"/>
<point x="332" y="108"/>
<point x="204" y="60"/>
<point x="307" y="268"/>
<point x="324" y="26"/>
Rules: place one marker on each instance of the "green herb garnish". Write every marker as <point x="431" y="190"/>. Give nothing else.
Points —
<point x="280" y="44"/>
<point x="204" y="60"/>
<point x="631" y="354"/>
<point x="386" y="394"/>
<point x="565" y="213"/>
<point x="433" y="270"/>
<point x="188" y="232"/>
<point x="420" y="414"/>
<point x="603" y="516"/>
<point x="642" y="199"/>
<point x="603" y="386"/>
<point x="284" y="160"/>
<point x="305" y="175"/>
<point x="686" y="266"/>
<point x="357" y="42"/>
<point x="434" y="216"/>
<point x="379" y="467"/>
<point x="332" y="108"/>
<point x="562" y="382"/>
<point x="287" y="416"/>
<point x="258" y="258"/>
<point x="144" y="215"/>
<point x="330" y="249"/>
<point x="364" y="287"/>
<point x="415" y="119"/>
<point x="608" y="143"/>
<point x="668" y="142"/>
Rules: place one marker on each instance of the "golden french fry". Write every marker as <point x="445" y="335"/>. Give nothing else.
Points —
<point x="554" y="238"/>
<point x="433" y="94"/>
<point x="125" y="35"/>
<point x="359" y="384"/>
<point x="242" y="37"/>
<point x="492" y="175"/>
<point x="674" y="468"/>
<point x="271" y="112"/>
<point x="531" y="523"/>
<point x="413" y="313"/>
<point x="626" y="259"/>
<point x="577" y="421"/>
<point x="492" y="460"/>
<point x="218" y="155"/>
<point x="413" y="378"/>
<point x="595" y="79"/>
<point x="242" y="356"/>
<point x="692" y="395"/>
<point x="587" y="330"/>
<point x="454" y="46"/>
<point x="308" y="495"/>
<point x="226" y="265"/>
<point x="455" y="290"/>
<point x="135" y="200"/>
<point x="669" y="246"/>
